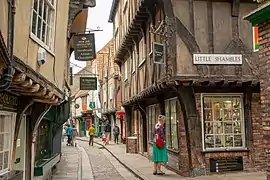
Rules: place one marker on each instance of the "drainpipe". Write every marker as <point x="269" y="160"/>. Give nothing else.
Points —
<point x="5" y="83"/>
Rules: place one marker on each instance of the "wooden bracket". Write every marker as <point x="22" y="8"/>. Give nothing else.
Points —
<point x="24" y="104"/>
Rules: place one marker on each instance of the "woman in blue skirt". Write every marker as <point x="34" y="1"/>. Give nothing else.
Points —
<point x="159" y="154"/>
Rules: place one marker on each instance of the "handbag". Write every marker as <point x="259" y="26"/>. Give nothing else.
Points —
<point x="159" y="141"/>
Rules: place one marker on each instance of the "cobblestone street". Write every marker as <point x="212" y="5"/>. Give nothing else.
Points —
<point x="89" y="163"/>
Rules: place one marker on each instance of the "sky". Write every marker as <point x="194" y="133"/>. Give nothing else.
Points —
<point x="97" y="17"/>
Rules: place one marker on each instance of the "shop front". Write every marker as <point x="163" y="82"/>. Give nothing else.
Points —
<point x="216" y="131"/>
<point x="8" y="111"/>
<point x="49" y="140"/>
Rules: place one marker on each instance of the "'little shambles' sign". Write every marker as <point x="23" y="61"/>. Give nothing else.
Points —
<point x="88" y="83"/>
<point x="84" y="47"/>
<point x="215" y="59"/>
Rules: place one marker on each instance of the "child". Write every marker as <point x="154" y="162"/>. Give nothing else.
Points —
<point x="104" y="139"/>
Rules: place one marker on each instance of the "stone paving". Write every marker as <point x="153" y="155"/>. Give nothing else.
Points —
<point x="89" y="163"/>
<point x="141" y="166"/>
<point x="69" y="165"/>
<point x="102" y="166"/>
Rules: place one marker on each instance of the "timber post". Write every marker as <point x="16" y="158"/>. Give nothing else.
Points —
<point x="23" y="106"/>
<point x="186" y="97"/>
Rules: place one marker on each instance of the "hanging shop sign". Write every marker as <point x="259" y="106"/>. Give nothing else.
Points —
<point x="255" y="30"/>
<point x="158" y="53"/>
<point x="77" y="106"/>
<point x="88" y="83"/>
<point x="92" y="105"/>
<point x="84" y="47"/>
<point x="215" y="59"/>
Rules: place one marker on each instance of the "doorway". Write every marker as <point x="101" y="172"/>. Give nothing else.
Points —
<point x="144" y="127"/>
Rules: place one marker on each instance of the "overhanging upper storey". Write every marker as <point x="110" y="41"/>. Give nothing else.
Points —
<point x="134" y="28"/>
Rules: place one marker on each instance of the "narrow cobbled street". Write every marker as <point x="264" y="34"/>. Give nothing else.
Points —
<point x="89" y="163"/>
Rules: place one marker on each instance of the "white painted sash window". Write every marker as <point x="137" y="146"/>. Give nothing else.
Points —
<point x="223" y="122"/>
<point x="5" y="141"/>
<point x="43" y="22"/>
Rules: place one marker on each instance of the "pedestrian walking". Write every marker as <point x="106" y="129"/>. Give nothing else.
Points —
<point x="74" y="136"/>
<point x="108" y="131"/>
<point x="159" y="154"/>
<point x="68" y="132"/>
<point x="91" y="133"/>
<point x="116" y="133"/>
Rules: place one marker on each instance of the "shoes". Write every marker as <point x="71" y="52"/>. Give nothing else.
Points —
<point x="155" y="173"/>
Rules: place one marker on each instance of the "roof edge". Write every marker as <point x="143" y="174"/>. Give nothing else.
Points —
<point x="113" y="10"/>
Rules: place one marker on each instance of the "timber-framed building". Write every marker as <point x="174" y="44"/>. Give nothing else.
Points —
<point x="208" y="86"/>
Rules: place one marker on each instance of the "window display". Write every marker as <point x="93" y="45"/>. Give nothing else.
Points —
<point x="223" y="122"/>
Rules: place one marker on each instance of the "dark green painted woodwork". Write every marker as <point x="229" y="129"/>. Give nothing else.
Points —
<point x="259" y="16"/>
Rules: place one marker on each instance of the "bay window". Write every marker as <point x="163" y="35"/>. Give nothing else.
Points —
<point x="43" y="21"/>
<point x="171" y="124"/>
<point x="151" y="111"/>
<point x="223" y="122"/>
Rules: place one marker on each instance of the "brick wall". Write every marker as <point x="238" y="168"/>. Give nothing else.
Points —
<point x="264" y="55"/>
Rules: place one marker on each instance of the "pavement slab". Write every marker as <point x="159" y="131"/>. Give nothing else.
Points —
<point x="142" y="167"/>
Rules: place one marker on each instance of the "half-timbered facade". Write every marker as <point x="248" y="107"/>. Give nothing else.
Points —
<point x="207" y="86"/>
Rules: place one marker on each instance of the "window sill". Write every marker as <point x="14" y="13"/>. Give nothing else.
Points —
<point x="225" y="150"/>
<point x="42" y="44"/>
<point x="133" y="71"/>
<point x="125" y="79"/>
<point x="141" y="63"/>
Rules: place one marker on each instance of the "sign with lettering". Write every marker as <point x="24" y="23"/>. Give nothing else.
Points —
<point x="215" y="59"/>
<point x="88" y="83"/>
<point x="84" y="47"/>
<point x="226" y="164"/>
<point x="158" y="53"/>
<point x="8" y="101"/>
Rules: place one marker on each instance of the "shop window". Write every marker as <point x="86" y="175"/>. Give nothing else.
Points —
<point x="151" y="111"/>
<point x="42" y="143"/>
<point x="43" y="21"/>
<point x="171" y="124"/>
<point x="5" y="142"/>
<point x="223" y="122"/>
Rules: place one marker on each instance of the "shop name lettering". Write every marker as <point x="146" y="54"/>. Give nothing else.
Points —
<point x="217" y="59"/>
<point x="8" y="99"/>
<point x="84" y="47"/>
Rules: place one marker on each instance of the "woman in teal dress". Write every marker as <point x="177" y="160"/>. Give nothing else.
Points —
<point x="159" y="155"/>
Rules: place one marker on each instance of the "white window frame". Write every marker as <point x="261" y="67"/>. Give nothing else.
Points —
<point x="134" y="60"/>
<point x="240" y="95"/>
<point x="142" y="57"/>
<point x="126" y="70"/>
<point x="11" y="132"/>
<point x="49" y="46"/>
<point x="177" y="123"/>
<point x="151" y="121"/>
